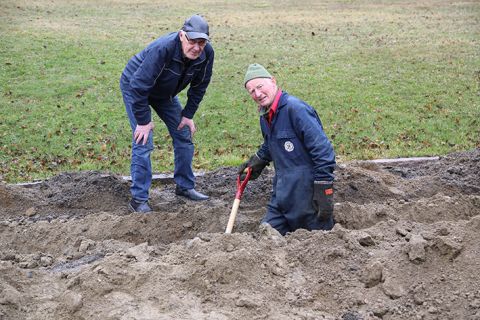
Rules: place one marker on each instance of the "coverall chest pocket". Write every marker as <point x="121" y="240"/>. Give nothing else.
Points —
<point x="288" y="144"/>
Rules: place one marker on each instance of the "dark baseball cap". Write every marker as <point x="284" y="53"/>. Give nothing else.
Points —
<point x="196" y="27"/>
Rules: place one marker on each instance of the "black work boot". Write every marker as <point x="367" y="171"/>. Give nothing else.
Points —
<point x="191" y="194"/>
<point x="139" y="206"/>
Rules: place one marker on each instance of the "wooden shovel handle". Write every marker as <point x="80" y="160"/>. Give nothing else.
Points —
<point x="240" y="187"/>
<point x="233" y="215"/>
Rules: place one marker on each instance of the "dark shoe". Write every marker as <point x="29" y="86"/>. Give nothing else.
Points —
<point x="191" y="194"/>
<point x="140" y="207"/>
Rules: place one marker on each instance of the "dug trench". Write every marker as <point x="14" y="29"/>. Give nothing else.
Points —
<point x="406" y="246"/>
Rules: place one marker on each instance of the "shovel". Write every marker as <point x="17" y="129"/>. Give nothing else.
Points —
<point x="240" y="187"/>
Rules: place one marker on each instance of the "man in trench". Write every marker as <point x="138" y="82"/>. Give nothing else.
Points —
<point x="154" y="77"/>
<point x="302" y="155"/>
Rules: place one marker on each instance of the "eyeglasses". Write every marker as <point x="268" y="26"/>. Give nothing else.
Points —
<point x="201" y="42"/>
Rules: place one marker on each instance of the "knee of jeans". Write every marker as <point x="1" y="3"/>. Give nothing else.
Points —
<point x="182" y="138"/>
<point x="141" y="149"/>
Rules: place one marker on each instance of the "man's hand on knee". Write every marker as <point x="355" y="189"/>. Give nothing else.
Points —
<point x="189" y="123"/>
<point x="142" y="132"/>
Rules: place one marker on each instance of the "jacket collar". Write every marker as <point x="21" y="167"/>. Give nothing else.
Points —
<point x="283" y="100"/>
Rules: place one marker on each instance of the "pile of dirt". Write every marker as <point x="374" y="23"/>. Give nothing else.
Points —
<point x="405" y="246"/>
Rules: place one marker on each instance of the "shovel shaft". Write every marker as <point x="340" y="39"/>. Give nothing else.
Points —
<point x="233" y="214"/>
<point x="240" y="187"/>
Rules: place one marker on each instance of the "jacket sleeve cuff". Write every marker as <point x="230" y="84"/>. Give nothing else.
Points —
<point x="256" y="154"/>
<point x="187" y="113"/>
<point x="144" y="118"/>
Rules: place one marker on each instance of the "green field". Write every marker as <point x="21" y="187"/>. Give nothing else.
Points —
<point x="388" y="78"/>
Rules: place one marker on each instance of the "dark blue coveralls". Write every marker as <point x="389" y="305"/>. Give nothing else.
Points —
<point x="154" y="77"/>
<point x="301" y="153"/>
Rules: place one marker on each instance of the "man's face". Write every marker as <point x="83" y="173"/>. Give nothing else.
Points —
<point x="262" y="90"/>
<point x="192" y="48"/>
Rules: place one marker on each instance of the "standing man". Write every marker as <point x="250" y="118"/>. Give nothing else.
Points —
<point x="303" y="157"/>
<point x="153" y="78"/>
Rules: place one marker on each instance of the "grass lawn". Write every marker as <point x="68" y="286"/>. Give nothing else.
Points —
<point x="388" y="78"/>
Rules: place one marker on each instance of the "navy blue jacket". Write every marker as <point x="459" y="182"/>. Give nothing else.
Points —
<point x="296" y="140"/>
<point x="155" y="74"/>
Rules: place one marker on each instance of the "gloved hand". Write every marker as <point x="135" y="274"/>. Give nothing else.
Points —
<point x="256" y="164"/>
<point x="323" y="199"/>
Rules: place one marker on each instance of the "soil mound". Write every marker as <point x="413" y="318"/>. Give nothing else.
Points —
<point x="406" y="246"/>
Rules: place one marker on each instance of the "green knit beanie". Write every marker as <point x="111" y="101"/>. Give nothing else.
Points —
<point x="254" y="71"/>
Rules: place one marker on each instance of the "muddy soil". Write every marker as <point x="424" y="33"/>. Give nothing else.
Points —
<point x="406" y="246"/>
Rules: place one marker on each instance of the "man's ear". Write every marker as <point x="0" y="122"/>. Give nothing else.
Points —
<point x="182" y="34"/>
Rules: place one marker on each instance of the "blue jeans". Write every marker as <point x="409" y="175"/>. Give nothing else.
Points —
<point x="141" y="168"/>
